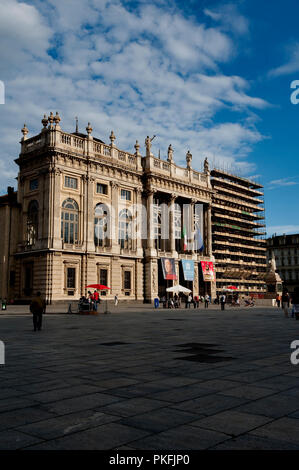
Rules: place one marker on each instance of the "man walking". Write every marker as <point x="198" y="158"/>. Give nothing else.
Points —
<point x="37" y="307"/>
<point x="207" y="300"/>
<point x="222" y="301"/>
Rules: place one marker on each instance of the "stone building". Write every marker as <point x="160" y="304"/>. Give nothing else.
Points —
<point x="77" y="218"/>
<point x="285" y="249"/>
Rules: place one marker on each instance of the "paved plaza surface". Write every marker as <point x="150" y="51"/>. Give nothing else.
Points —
<point x="145" y="379"/>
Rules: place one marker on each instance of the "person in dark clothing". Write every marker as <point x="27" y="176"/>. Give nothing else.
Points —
<point x="222" y="301"/>
<point x="295" y="303"/>
<point x="285" y="303"/>
<point x="37" y="308"/>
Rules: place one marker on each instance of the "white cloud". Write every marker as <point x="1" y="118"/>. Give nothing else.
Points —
<point x="229" y="18"/>
<point x="274" y="184"/>
<point x="291" y="66"/>
<point x="143" y="71"/>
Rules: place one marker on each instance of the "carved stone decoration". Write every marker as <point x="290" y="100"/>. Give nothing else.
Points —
<point x="114" y="185"/>
<point x="57" y="120"/>
<point x="51" y="120"/>
<point x="89" y="129"/>
<point x="206" y="166"/>
<point x="24" y="132"/>
<point x="137" y="148"/>
<point x="188" y="159"/>
<point x="148" y="144"/>
<point x="112" y="138"/>
<point x="44" y="123"/>
<point x="170" y="154"/>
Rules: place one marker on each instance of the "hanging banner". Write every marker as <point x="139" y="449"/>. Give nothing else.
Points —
<point x="168" y="267"/>
<point x="207" y="268"/>
<point x="188" y="269"/>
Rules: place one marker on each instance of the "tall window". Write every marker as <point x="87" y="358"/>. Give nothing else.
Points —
<point x="125" y="229"/>
<point x="32" y="223"/>
<point x="198" y="228"/>
<point x="69" y="221"/>
<point x="177" y="226"/>
<point x="101" y="225"/>
<point x="70" y="182"/>
<point x="127" y="280"/>
<point x="71" y="280"/>
<point x="125" y="195"/>
<point x="102" y="188"/>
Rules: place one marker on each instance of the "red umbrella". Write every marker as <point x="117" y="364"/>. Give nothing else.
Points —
<point x="232" y="287"/>
<point x="98" y="286"/>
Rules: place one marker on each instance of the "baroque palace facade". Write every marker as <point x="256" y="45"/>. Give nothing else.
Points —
<point x="73" y="189"/>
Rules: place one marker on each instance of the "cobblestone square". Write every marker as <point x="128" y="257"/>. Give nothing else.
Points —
<point x="150" y="379"/>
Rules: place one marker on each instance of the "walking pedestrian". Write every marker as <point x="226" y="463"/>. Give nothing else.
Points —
<point x="222" y="301"/>
<point x="189" y="300"/>
<point x="278" y="300"/>
<point x="295" y="303"/>
<point x="207" y="300"/>
<point x="37" y="308"/>
<point x="285" y="303"/>
<point x="116" y="300"/>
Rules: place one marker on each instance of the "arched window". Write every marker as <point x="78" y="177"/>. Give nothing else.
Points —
<point x="125" y="229"/>
<point x="101" y="225"/>
<point x="32" y="223"/>
<point x="69" y="221"/>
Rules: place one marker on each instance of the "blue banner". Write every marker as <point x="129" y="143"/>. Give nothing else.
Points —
<point x="188" y="269"/>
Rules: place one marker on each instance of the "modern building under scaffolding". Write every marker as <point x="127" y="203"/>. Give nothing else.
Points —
<point x="238" y="231"/>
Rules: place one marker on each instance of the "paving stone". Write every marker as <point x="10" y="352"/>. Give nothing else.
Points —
<point x="251" y="392"/>
<point x="105" y="437"/>
<point x="84" y="402"/>
<point x="132" y="407"/>
<point x="13" y="440"/>
<point x="274" y="406"/>
<point x="160" y="420"/>
<point x="12" y="419"/>
<point x="232" y="422"/>
<point x="68" y="424"/>
<point x="250" y="442"/>
<point x="181" y="438"/>
<point x="284" y="429"/>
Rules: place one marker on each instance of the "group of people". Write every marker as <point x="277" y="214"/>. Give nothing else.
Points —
<point x="90" y="302"/>
<point x="285" y="300"/>
<point x="177" y="300"/>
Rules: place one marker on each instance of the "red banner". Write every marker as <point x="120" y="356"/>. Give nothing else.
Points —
<point x="207" y="268"/>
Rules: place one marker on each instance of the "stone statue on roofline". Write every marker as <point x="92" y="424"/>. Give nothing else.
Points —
<point x="148" y="144"/>
<point x="206" y="166"/>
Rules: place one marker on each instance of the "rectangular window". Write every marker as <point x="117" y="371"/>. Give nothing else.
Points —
<point x="70" y="182"/>
<point x="71" y="278"/>
<point x="125" y="195"/>
<point x="33" y="184"/>
<point x="127" y="280"/>
<point x="102" y="188"/>
<point x="103" y="277"/>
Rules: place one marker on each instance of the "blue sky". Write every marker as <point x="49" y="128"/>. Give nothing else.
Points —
<point x="210" y="77"/>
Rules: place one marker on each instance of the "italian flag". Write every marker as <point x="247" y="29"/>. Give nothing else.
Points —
<point x="184" y="238"/>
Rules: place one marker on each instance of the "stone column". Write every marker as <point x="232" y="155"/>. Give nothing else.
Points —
<point x="149" y="208"/>
<point x="171" y="223"/>
<point x="89" y="214"/>
<point x="114" y="218"/>
<point x="139" y="222"/>
<point x="209" y="230"/>
<point x="56" y="209"/>
<point x="193" y="202"/>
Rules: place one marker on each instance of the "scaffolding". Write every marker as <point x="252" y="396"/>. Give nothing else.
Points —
<point x="238" y="233"/>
